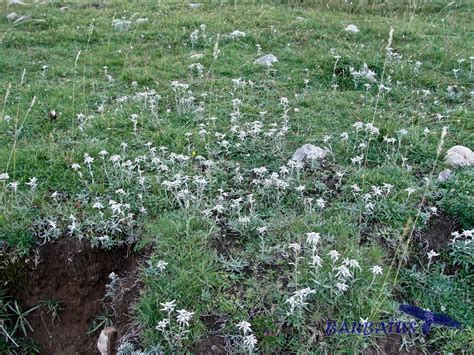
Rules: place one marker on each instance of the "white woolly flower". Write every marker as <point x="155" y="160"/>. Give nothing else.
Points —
<point x="313" y="238"/>
<point x="341" y="286"/>
<point x="161" y="265"/>
<point x="432" y="254"/>
<point x="250" y="341"/>
<point x="168" y="306"/>
<point x="88" y="159"/>
<point x="244" y="326"/>
<point x="32" y="183"/>
<point x="162" y="324"/>
<point x="343" y="272"/>
<point x="334" y="255"/>
<point x="297" y="301"/>
<point x="376" y="270"/>
<point x="184" y="317"/>
<point x="316" y="261"/>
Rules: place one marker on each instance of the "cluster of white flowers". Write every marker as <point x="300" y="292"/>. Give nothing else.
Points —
<point x="341" y="275"/>
<point x="248" y="339"/>
<point x="466" y="235"/>
<point x="364" y="73"/>
<point x="174" y="332"/>
<point x="298" y="300"/>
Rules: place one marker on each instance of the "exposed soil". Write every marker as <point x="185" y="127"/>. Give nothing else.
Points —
<point x="210" y="345"/>
<point x="390" y="345"/>
<point x="226" y="240"/>
<point x="75" y="274"/>
<point x="438" y="233"/>
<point x="213" y="322"/>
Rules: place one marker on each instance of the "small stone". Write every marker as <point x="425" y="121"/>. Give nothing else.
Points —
<point x="352" y="29"/>
<point x="63" y="9"/>
<point x="268" y="60"/>
<point x="307" y="153"/>
<point x="195" y="5"/>
<point x="141" y="20"/>
<point x="121" y="25"/>
<point x="237" y="34"/>
<point x="16" y="2"/>
<point x="12" y="16"/>
<point x="445" y="175"/>
<point x="459" y="156"/>
<point x="299" y="18"/>
<point x="107" y="340"/>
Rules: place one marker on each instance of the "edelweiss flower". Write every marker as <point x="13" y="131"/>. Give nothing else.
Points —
<point x="334" y="255"/>
<point x="341" y="286"/>
<point x="312" y="238"/>
<point x="298" y="299"/>
<point x="358" y="125"/>
<point x="244" y="326"/>
<point x="161" y="265"/>
<point x="250" y="341"/>
<point x="184" y="317"/>
<point x="468" y="233"/>
<point x="168" y="306"/>
<point x="352" y="263"/>
<point x="432" y="254"/>
<point x="376" y="270"/>
<point x="343" y="272"/>
<point x="316" y="261"/>
<point x="14" y="185"/>
<point x="88" y="159"/>
<point x="162" y="324"/>
<point x="32" y="183"/>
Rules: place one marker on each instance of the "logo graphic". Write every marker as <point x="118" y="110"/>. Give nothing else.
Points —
<point x="429" y="317"/>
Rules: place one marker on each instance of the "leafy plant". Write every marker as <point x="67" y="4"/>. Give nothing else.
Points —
<point x="20" y="317"/>
<point x="100" y="322"/>
<point x="53" y="306"/>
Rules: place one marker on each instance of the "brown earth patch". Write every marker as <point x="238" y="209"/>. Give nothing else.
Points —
<point x="389" y="345"/>
<point x="225" y="241"/>
<point x="210" y="345"/>
<point x="213" y="322"/>
<point x="438" y="233"/>
<point x="75" y="274"/>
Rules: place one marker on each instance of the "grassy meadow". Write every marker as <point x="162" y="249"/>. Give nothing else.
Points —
<point x="147" y="125"/>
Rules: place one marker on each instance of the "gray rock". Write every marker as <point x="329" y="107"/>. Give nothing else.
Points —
<point x="141" y="20"/>
<point x="107" y="340"/>
<point x="121" y="25"/>
<point x="16" y="2"/>
<point x="459" y="156"/>
<point x="307" y="153"/>
<point x="268" y="60"/>
<point x="237" y="34"/>
<point x="195" y="5"/>
<point x="12" y="16"/>
<point x="445" y="175"/>
<point x="352" y="29"/>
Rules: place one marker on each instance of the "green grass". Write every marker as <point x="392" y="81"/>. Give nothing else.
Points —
<point x="225" y="268"/>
